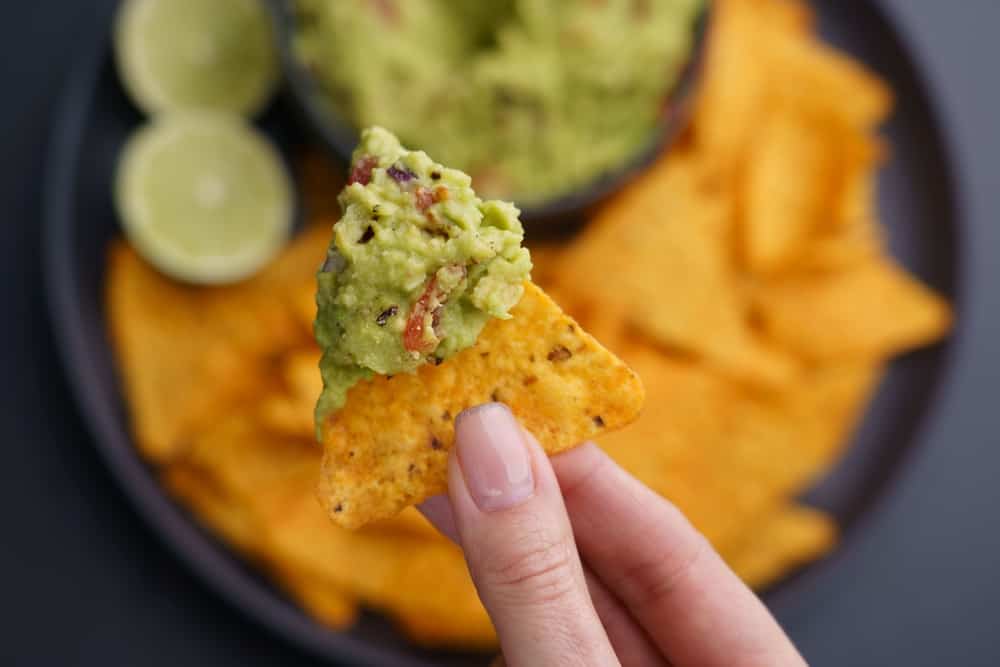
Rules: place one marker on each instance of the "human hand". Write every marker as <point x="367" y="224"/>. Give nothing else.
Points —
<point x="579" y="563"/>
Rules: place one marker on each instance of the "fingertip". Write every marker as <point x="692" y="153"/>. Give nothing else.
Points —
<point x="437" y="510"/>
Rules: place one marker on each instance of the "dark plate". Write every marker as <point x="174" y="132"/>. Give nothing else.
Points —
<point x="916" y="197"/>
<point x="561" y="212"/>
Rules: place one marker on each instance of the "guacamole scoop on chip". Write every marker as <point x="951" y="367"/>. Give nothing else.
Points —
<point x="417" y="266"/>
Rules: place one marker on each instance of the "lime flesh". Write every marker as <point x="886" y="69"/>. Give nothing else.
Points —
<point x="196" y="54"/>
<point x="203" y="197"/>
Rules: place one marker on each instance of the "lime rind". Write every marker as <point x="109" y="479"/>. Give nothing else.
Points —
<point x="197" y="54"/>
<point x="204" y="197"/>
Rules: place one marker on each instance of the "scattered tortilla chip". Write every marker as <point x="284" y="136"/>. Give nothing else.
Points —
<point x="791" y="537"/>
<point x="733" y="89"/>
<point x="871" y="310"/>
<point x="327" y="604"/>
<point x="421" y="583"/>
<point x="725" y="456"/>
<point x="388" y="446"/>
<point x="186" y="353"/>
<point x="213" y="508"/>
<point x="816" y="77"/>
<point x="545" y="262"/>
<point x="290" y="409"/>
<point x="270" y="484"/>
<point x="656" y="257"/>
<point x="789" y="188"/>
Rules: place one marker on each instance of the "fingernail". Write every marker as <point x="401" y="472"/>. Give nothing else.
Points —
<point x="495" y="462"/>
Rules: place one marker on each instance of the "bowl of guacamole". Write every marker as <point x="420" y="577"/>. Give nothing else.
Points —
<point x="550" y="103"/>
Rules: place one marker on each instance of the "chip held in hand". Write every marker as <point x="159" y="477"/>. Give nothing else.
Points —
<point x="425" y="309"/>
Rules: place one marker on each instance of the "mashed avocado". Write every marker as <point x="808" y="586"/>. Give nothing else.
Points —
<point x="532" y="97"/>
<point x="417" y="265"/>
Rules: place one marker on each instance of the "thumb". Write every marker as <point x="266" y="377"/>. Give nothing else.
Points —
<point x="519" y="545"/>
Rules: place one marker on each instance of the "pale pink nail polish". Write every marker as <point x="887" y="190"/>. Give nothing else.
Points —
<point x="494" y="458"/>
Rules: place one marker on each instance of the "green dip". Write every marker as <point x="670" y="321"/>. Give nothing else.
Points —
<point x="532" y="97"/>
<point x="417" y="265"/>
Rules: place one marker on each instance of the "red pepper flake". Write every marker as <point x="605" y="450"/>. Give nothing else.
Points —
<point x="413" y="335"/>
<point x="361" y="172"/>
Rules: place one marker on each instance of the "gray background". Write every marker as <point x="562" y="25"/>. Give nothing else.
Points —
<point x="84" y="582"/>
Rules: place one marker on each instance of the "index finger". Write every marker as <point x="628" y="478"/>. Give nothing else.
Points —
<point x="648" y="554"/>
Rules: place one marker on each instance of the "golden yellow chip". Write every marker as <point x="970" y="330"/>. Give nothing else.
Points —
<point x="870" y="310"/>
<point x="816" y="77"/>
<point x="725" y="455"/>
<point x="388" y="446"/>
<point x="233" y="521"/>
<point x="657" y="257"/>
<point x="789" y="538"/>
<point x="733" y="89"/>
<point x="545" y="262"/>
<point x="424" y="584"/>
<point x="789" y="188"/>
<point x="327" y="604"/>
<point x="395" y="566"/>
<point x="186" y="353"/>
<point x="289" y="410"/>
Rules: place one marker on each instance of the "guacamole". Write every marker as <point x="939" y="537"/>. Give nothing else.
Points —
<point x="417" y="265"/>
<point x="532" y="97"/>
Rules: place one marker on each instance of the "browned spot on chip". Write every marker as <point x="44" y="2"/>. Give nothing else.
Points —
<point x="599" y="421"/>
<point x="530" y="380"/>
<point x="559" y="353"/>
<point x="436" y="444"/>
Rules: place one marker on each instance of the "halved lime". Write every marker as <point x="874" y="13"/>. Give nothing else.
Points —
<point x="196" y="54"/>
<point x="203" y="196"/>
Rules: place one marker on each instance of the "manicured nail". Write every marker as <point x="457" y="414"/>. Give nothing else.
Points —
<point x="494" y="459"/>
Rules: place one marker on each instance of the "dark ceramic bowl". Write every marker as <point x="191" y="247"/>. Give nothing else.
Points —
<point x="341" y="136"/>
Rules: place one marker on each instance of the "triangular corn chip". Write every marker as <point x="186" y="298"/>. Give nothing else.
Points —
<point x="388" y="446"/>
<point x="871" y="310"/>
<point x="187" y="353"/>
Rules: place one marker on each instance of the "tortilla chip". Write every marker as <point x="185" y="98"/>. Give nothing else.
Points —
<point x="733" y="89"/>
<point x="545" y="262"/>
<point x="270" y="484"/>
<point x="816" y="77"/>
<point x="658" y="257"/>
<point x="793" y="536"/>
<point x="871" y="310"/>
<point x="789" y="188"/>
<point x="325" y="603"/>
<point x="388" y="446"/>
<point x="423" y="584"/>
<point x="726" y="456"/>
<point x="187" y="353"/>
<point x="212" y="507"/>
<point x="289" y="410"/>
